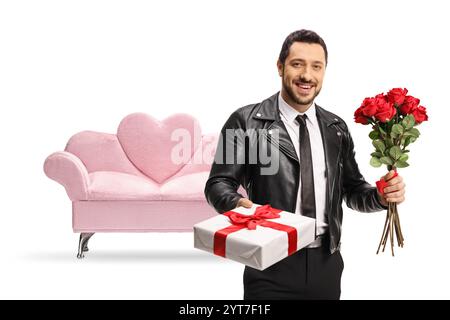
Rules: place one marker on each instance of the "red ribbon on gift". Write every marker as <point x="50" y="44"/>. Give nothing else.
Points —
<point x="241" y="221"/>
<point x="381" y="184"/>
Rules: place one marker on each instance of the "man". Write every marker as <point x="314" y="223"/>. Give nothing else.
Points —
<point x="316" y="171"/>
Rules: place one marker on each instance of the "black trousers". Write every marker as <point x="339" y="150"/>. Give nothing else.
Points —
<point x="307" y="274"/>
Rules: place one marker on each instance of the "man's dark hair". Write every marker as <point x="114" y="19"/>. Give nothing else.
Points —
<point x="303" y="35"/>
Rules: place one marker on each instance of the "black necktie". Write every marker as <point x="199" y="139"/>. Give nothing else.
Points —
<point x="308" y="199"/>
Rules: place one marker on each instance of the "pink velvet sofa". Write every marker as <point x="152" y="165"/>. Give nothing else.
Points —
<point x="149" y="177"/>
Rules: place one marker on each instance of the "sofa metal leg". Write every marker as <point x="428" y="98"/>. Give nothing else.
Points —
<point x="83" y="244"/>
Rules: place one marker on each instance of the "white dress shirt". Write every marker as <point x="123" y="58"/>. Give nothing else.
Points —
<point x="288" y="115"/>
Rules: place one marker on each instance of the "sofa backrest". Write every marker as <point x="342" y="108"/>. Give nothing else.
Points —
<point x="144" y="146"/>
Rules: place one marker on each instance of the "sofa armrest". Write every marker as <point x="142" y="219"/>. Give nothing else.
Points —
<point x="67" y="169"/>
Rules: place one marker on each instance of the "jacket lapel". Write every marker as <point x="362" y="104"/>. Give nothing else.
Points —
<point x="268" y="110"/>
<point x="284" y="140"/>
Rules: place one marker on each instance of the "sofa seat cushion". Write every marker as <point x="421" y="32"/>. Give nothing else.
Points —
<point x="189" y="187"/>
<point x="110" y="185"/>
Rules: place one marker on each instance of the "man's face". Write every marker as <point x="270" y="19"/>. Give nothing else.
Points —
<point x="302" y="73"/>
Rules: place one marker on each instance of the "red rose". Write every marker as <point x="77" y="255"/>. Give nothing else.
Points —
<point x="359" y="116"/>
<point x="397" y="95"/>
<point x="385" y="109"/>
<point x="369" y="107"/>
<point x="381" y="99"/>
<point x="409" y="105"/>
<point x="420" y="114"/>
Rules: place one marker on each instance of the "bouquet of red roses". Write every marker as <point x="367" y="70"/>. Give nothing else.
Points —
<point x="393" y="117"/>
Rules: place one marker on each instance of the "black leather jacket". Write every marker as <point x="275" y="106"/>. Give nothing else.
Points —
<point x="344" y="180"/>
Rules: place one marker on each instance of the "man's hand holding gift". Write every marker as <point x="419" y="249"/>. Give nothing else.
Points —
<point x="244" y="202"/>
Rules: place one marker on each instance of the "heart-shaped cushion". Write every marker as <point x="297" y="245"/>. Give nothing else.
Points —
<point x="159" y="148"/>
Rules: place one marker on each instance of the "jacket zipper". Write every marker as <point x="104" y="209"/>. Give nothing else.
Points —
<point x="338" y="167"/>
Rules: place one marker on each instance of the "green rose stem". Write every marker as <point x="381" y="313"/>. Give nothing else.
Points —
<point x="391" y="226"/>
<point x="385" y="229"/>
<point x="392" y="229"/>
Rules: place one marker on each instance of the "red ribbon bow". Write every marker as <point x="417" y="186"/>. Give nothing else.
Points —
<point x="241" y="221"/>
<point x="251" y="221"/>
<point x="381" y="184"/>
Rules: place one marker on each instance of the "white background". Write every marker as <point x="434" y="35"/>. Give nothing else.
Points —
<point x="67" y="66"/>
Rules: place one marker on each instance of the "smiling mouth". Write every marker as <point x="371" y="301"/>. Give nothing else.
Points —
<point x="303" y="88"/>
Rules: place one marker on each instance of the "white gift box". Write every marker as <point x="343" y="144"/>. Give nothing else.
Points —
<point x="259" y="248"/>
